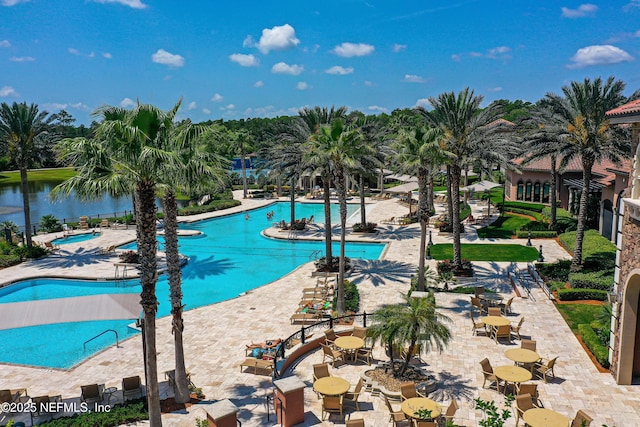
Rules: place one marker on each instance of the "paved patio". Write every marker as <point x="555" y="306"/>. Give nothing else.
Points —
<point x="215" y="337"/>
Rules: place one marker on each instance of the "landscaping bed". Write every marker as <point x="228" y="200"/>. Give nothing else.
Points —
<point x="486" y="252"/>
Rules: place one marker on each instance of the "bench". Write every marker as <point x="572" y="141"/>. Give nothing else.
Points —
<point x="263" y="364"/>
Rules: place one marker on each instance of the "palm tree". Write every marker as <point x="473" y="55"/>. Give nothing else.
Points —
<point x="241" y="142"/>
<point x="463" y="125"/>
<point x="415" y="322"/>
<point x="22" y="129"/>
<point x="342" y="148"/>
<point x="417" y="153"/>
<point x="589" y="135"/>
<point x="129" y="152"/>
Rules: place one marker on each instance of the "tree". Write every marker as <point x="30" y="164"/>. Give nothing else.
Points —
<point x="415" y="322"/>
<point x="129" y="153"/>
<point x="242" y="141"/>
<point x="22" y="129"/>
<point x="589" y="136"/>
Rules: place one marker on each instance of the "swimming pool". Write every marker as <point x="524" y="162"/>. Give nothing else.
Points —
<point x="74" y="238"/>
<point x="228" y="258"/>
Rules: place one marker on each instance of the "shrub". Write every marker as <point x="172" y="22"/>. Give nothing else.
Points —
<point x="446" y="266"/>
<point x="50" y="224"/>
<point x="581" y="294"/>
<point x="602" y="280"/>
<point x="214" y="205"/>
<point x="445" y="227"/>
<point x="592" y="341"/>
<point x="351" y="297"/>
<point x="534" y="214"/>
<point x="321" y="264"/>
<point x="129" y="257"/>
<point x="564" y="225"/>
<point x="535" y="207"/>
<point x="369" y="227"/>
<point x="536" y="226"/>
<point x="9" y="260"/>
<point x="132" y="411"/>
<point x="548" y="234"/>
<point x="556" y="285"/>
<point x="557" y="271"/>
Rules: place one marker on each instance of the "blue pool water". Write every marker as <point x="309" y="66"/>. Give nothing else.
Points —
<point x="74" y="238"/>
<point x="229" y="258"/>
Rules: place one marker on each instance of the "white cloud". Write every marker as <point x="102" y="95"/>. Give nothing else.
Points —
<point x="217" y="98"/>
<point x="336" y="69"/>
<point x="135" y="4"/>
<point x="228" y="107"/>
<point x="599" y="55"/>
<point x="284" y="68"/>
<point x="92" y="55"/>
<point x="166" y="58"/>
<point x="6" y="91"/>
<point x="53" y="106"/>
<point x="244" y="60"/>
<point x="423" y="102"/>
<point x="13" y="2"/>
<point x="582" y="11"/>
<point x="456" y="57"/>
<point x="22" y="59"/>
<point x="259" y="83"/>
<point x="128" y="103"/>
<point x="377" y="108"/>
<point x="412" y="78"/>
<point x="633" y="4"/>
<point x="192" y="105"/>
<point x="206" y="111"/>
<point x="399" y="47"/>
<point x="73" y="51"/>
<point x="5" y="43"/>
<point x="495" y="89"/>
<point x="499" y="52"/>
<point x="302" y="86"/>
<point x="368" y="83"/>
<point x="107" y="55"/>
<point x="348" y="50"/>
<point x="277" y="38"/>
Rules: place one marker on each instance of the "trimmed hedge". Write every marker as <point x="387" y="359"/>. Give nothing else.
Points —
<point x="581" y="294"/>
<point x="536" y="207"/>
<point x="556" y="271"/>
<point x="548" y="234"/>
<point x="602" y="280"/>
<point x="556" y="285"/>
<point x="560" y="213"/>
<point x="537" y="216"/>
<point x="132" y="411"/>
<point x="592" y="341"/>
<point x="214" y="205"/>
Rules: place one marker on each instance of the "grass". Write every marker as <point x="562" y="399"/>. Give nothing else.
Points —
<point x="576" y="314"/>
<point x="58" y="174"/>
<point x="592" y="244"/>
<point x="503" y="228"/>
<point x="486" y="252"/>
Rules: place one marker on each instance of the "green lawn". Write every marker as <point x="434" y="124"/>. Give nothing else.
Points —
<point x="503" y="228"/>
<point x="486" y="252"/>
<point x="60" y="174"/>
<point x="576" y="314"/>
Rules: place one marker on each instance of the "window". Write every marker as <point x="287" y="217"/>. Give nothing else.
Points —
<point x="546" y="191"/>
<point x="520" y="192"/>
<point x="527" y="192"/>
<point x="536" y="192"/>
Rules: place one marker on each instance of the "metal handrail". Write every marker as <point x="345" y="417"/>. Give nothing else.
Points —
<point x="99" y="335"/>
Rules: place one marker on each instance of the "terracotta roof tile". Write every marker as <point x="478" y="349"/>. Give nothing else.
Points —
<point x="632" y="107"/>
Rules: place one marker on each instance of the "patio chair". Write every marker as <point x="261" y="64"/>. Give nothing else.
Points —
<point x="332" y="404"/>
<point x="104" y="223"/>
<point x="330" y="337"/>
<point x="532" y="390"/>
<point x="408" y="391"/>
<point x="479" y="290"/>
<point x="475" y="302"/>
<point x="528" y="344"/>
<point x="131" y="388"/>
<point x="494" y="311"/>
<point x="477" y="326"/>
<point x="51" y="246"/>
<point x="41" y="408"/>
<point x="108" y="250"/>
<point x="332" y="354"/>
<point x="506" y="307"/>
<point x="10" y="396"/>
<point x="450" y="412"/>
<point x="487" y="373"/>
<point x="581" y="419"/>
<point x="418" y="423"/>
<point x="92" y="393"/>
<point x="352" y="396"/>
<point x="320" y="370"/>
<point x="523" y="404"/>
<point x="516" y="329"/>
<point x="397" y="417"/>
<point x="364" y="354"/>
<point x="358" y="422"/>
<point x="360" y="332"/>
<point x="545" y="367"/>
<point x="503" y="331"/>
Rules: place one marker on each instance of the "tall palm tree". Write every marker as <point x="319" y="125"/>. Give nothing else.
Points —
<point x="342" y="148"/>
<point x="415" y="322"/>
<point x="242" y="143"/>
<point x="22" y="128"/>
<point x="589" y="135"/>
<point x="129" y="152"/>
<point x="418" y="153"/>
<point x="463" y="125"/>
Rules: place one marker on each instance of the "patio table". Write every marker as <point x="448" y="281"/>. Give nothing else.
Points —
<point x="349" y="344"/>
<point x="409" y="406"/>
<point x="512" y="374"/>
<point x="492" y="299"/>
<point x="331" y="386"/>
<point x="522" y="355"/>
<point x="542" y="417"/>
<point x="495" y="321"/>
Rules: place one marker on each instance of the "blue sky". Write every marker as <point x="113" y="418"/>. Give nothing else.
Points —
<point x="269" y="58"/>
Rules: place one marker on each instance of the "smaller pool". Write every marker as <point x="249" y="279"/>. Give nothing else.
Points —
<point x="74" y="238"/>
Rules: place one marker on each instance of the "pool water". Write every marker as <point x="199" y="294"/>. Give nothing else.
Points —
<point x="228" y="258"/>
<point x="74" y="238"/>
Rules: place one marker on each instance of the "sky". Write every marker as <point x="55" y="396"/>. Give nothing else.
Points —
<point x="270" y="58"/>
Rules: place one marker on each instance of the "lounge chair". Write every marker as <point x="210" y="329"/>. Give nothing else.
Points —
<point x="104" y="223"/>
<point x="92" y="393"/>
<point x="266" y="365"/>
<point x="131" y="388"/>
<point x="51" y="246"/>
<point x="304" y="318"/>
<point x="84" y="225"/>
<point x="41" y="408"/>
<point x="108" y="250"/>
<point x="12" y="396"/>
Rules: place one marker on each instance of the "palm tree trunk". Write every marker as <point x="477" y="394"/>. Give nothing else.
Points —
<point x="423" y="217"/>
<point x="430" y="202"/>
<point x="292" y="201"/>
<point x="449" y="194"/>
<point x="553" y="196"/>
<point x="363" y="211"/>
<point x="245" y="190"/>
<point x="327" y="220"/>
<point x="24" y="183"/>
<point x="342" y="198"/>
<point x="146" y="224"/>
<point x="576" y="262"/>
<point x="455" y="217"/>
<point x="175" y="287"/>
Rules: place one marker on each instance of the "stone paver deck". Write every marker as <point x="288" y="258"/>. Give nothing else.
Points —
<point x="215" y="337"/>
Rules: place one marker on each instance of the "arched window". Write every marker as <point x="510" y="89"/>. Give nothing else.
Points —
<point x="520" y="192"/>
<point x="546" y="191"/>
<point x="536" y="192"/>
<point x="527" y="192"/>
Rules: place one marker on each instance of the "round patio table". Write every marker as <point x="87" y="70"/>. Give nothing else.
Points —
<point x="331" y="386"/>
<point x="349" y="343"/>
<point x="492" y="299"/>
<point x="495" y="321"/>
<point x="542" y="417"/>
<point x="409" y="406"/>
<point x="512" y="374"/>
<point x="522" y="355"/>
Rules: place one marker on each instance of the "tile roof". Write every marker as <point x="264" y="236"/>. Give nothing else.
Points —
<point x="632" y="107"/>
<point x="501" y="122"/>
